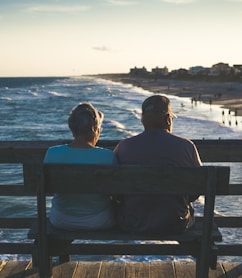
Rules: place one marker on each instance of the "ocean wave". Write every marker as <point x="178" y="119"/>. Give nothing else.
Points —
<point x="113" y="124"/>
<point x="6" y="98"/>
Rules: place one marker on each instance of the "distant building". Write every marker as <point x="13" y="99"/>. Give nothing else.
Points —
<point x="160" y="71"/>
<point x="138" y="71"/>
<point x="237" y="69"/>
<point x="179" y="72"/>
<point x="220" y="69"/>
<point x="198" y="70"/>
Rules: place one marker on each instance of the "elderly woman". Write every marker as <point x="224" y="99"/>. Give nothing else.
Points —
<point x="84" y="211"/>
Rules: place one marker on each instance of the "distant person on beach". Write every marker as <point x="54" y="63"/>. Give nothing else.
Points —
<point x="84" y="211"/>
<point x="164" y="214"/>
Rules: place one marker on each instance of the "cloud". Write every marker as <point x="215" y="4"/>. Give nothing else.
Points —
<point x="102" y="48"/>
<point x="57" y="8"/>
<point x="121" y="2"/>
<point x="179" y="1"/>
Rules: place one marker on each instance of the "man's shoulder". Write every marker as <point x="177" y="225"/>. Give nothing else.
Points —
<point x="183" y="140"/>
<point x="130" y="140"/>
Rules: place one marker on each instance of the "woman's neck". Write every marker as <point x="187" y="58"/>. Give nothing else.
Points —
<point x="82" y="143"/>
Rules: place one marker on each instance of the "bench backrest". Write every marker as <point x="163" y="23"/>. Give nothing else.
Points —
<point x="129" y="179"/>
<point x="133" y="179"/>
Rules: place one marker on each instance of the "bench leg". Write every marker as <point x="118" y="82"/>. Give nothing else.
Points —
<point x="44" y="263"/>
<point x="35" y="254"/>
<point x="202" y="267"/>
<point x="214" y="257"/>
<point x="59" y="248"/>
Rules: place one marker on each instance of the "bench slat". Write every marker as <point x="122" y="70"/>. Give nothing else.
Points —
<point x="16" y="248"/>
<point x="17" y="222"/>
<point x="27" y="151"/>
<point x="117" y="234"/>
<point x="128" y="179"/>
<point x="27" y="222"/>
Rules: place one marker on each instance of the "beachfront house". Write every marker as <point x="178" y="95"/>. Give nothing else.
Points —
<point x="220" y="69"/>
<point x="138" y="71"/>
<point x="198" y="70"/>
<point x="160" y="71"/>
<point x="237" y="70"/>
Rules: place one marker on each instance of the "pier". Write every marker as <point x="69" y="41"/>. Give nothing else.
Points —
<point x="104" y="269"/>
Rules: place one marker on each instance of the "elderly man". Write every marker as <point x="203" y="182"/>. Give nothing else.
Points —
<point x="164" y="214"/>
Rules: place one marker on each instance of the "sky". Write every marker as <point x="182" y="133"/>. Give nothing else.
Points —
<point x="72" y="38"/>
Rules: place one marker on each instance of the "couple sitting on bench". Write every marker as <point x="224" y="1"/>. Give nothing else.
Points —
<point x="156" y="145"/>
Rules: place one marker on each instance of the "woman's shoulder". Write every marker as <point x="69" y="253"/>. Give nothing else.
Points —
<point x="106" y="154"/>
<point x="56" y="149"/>
<point x="54" y="152"/>
<point x="103" y="150"/>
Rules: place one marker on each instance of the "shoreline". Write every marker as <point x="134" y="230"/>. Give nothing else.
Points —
<point x="226" y="94"/>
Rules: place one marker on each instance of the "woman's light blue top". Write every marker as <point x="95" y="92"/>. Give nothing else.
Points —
<point x="84" y="204"/>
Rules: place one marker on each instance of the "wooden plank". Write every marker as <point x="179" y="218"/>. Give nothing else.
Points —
<point x="162" y="269"/>
<point x="21" y="155"/>
<point x="31" y="272"/>
<point x="17" y="222"/>
<point x="233" y="270"/>
<point x="14" y="190"/>
<point x="235" y="189"/>
<point x="88" y="270"/>
<point x="127" y="179"/>
<point x="153" y="269"/>
<point x="64" y="270"/>
<point x="2" y="264"/>
<point x="16" y="248"/>
<point x="218" y="272"/>
<point x="210" y="150"/>
<point x="137" y="270"/>
<point x="219" y="150"/>
<point x="185" y="269"/>
<point x="229" y="249"/>
<point x="188" y="270"/>
<point x="21" y="190"/>
<point x="228" y="221"/>
<point x="112" y="269"/>
<point x="26" y="222"/>
<point x="14" y="269"/>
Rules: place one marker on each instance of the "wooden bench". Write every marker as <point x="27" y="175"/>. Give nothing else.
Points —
<point x="24" y="153"/>
<point x="128" y="179"/>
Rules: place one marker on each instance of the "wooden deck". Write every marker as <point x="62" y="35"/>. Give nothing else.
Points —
<point x="152" y="269"/>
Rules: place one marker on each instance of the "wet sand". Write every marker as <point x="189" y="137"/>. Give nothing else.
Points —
<point x="226" y="94"/>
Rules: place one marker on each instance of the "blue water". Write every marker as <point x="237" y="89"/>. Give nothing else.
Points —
<point x="37" y="109"/>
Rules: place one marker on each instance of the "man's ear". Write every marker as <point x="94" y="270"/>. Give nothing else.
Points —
<point x="168" y="119"/>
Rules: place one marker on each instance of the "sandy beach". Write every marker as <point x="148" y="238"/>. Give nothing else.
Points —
<point x="226" y="94"/>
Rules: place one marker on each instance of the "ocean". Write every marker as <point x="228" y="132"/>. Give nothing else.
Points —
<point x="38" y="108"/>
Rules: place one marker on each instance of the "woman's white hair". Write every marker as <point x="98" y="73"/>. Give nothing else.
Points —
<point x="85" y="120"/>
